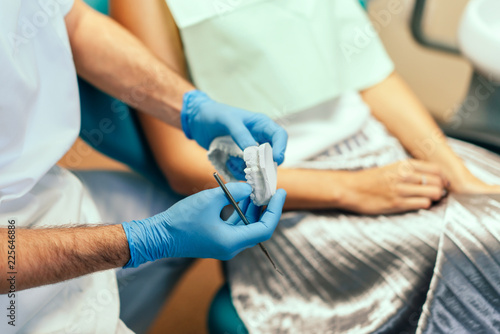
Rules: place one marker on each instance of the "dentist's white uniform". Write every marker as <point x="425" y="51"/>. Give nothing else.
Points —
<point x="39" y="121"/>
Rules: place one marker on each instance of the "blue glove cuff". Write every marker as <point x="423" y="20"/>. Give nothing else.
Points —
<point x="131" y="246"/>
<point x="148" y="240"/>
<point x="190" y="102"/>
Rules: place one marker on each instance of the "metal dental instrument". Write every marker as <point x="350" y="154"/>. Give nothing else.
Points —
<point x="243" y="218"/>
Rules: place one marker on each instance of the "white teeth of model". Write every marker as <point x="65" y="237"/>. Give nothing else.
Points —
<point x="263" y="175"/>
<point x="261" y="171"/>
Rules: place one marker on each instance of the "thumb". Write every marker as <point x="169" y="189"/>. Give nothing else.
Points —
<point x="263" y="229"/>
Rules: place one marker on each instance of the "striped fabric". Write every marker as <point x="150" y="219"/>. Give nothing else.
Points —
<point x="346" y="273"/>
<point x="465" y="289"/>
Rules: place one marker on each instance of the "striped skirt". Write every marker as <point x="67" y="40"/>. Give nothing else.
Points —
<point x="431" y="271"/>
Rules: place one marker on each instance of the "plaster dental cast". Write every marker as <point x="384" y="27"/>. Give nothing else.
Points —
<point x="64" y="283"/>
<point x="259" y="167"/>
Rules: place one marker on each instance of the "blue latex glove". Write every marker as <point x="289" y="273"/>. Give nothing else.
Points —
<point x="193" y="228"/>
<point x="252" y="212"/>
<point x="237" y="167"/>
<point x="204" y="119"/>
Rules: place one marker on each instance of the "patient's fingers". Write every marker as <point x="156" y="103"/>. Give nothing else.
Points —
<point x="425" y="179"/>
<point x="426" y="167"/>
<point x="435" y="193"/>
<point x="416" y="203"/>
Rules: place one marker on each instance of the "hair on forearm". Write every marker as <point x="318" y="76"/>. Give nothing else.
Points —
<point x="49" y="255"/>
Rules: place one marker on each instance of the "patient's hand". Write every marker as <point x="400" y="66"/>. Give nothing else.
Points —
<point x="469" y="184"/>
<point x="403" y="186"/>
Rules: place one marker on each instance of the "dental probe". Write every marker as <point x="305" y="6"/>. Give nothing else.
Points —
<point x="243" y="218"/>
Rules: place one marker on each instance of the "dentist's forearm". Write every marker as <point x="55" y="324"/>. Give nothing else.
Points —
<point x="52" y="255"/>
<point x="115" y="61"/>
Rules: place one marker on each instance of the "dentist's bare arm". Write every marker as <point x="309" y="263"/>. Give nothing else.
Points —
<point x="47" y="256"/>
<point x="115" y="61"/>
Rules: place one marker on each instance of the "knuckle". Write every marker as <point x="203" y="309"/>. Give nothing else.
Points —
<point x="397" y="202"/>
<point x="406" y="168"/>
<point x="434" y="180"/>
<point x="407" y="177"/>
<point x="393" y="184"/>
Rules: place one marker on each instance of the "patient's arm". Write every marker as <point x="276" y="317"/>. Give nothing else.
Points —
<point x="394" y="188"/>
<point x="395" y="105"/>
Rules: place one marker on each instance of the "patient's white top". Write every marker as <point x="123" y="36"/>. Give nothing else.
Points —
<point x="39" y="121"/>
<point x="300" y="62"/>
<point x="279" y="56"/>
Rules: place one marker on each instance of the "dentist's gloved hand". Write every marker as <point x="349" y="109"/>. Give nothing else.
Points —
<point x="193" y="228"/>
<point x="204" y="119"/>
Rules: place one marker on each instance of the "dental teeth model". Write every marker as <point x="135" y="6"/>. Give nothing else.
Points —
<point x="260" y="171"/>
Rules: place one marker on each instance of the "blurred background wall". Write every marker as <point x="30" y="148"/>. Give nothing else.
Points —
<point x="441" y="80"/>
